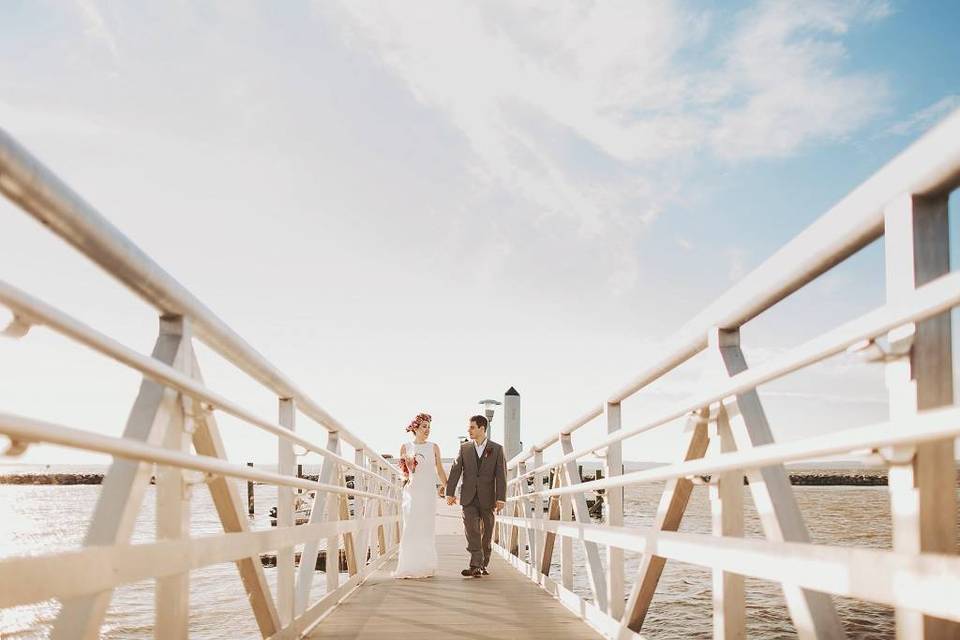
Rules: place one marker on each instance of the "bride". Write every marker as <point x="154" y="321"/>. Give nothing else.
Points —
<point x="420" y="462"/>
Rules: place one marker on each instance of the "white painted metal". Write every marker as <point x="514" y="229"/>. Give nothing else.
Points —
<point x="933" y="298"/>
<point x="922" y="484"/>
<point x="528" y="539"/>
<point x="123" y="488"/>
<point x="614" y="513"/>
<point x="322" y="509"/>
<point x="929" y="166"/>
<point x="233" y="516"/>
<point x="931" y="425"/>
<point x="813" y="613"/>
<point x="38" y="191"/>
<point x="32" y="430"/>
<point x="590" y="550"/>
<point x="726" y="510"/>
<point x="536" y="506"/>
<point x="924" y="582"/>
<point x="673" y="504"/>
<point x="172" y="596"/>
<point x="566" y="544"/>
<point x="103" y="568"/>
<point x="285" y="514"/>
<point x="41" y="313"/>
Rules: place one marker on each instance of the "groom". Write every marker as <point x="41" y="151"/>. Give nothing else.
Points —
<point x="484" y="471"/>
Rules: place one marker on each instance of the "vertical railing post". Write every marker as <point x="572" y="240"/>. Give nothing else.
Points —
<point x="513" y="537"/>
<point x="377" y="548"/>
<point x="537" y="508"/>
<point x="526" y="539"/>
<point x="921" y="478"/>
<point x="173" y="504"/>
<point x="333" y="545"/>
<point x="361" y="511"/>
<point x="726" y="508"/>
<point x="591" y="550"/>
<point x="614" y="466"/>
<point x="324" y="509"/>
<point x="285" y="515"/>
<point x="566" y="542"/>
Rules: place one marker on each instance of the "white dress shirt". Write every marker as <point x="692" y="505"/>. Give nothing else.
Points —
<point x="480" y="447"/>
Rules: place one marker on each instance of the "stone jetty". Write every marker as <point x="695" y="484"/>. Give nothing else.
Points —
<point x="52" y="478"/>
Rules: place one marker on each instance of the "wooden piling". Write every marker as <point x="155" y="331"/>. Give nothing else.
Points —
<point x="250" y="493"/>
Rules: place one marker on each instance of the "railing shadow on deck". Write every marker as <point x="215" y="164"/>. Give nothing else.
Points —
<point x="906" y="202"/>
<point x="172" y="427"/>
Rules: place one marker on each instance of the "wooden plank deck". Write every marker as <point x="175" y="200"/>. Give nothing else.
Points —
<point x="504" y="604"/>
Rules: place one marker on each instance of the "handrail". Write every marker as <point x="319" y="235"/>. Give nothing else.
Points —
<point x="935" y="424"/>
<point x="26" y="429"/>
<point x="933" y="298"/>
<point x="38" y="312"/>
<point x="25" y="180"/>
<point x="173" y="392"/>
<point x="927" y="167"/>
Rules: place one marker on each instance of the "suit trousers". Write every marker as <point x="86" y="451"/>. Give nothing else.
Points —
<point x="478" y="526"/>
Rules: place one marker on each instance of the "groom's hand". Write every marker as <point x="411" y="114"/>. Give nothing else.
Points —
<point x="450" y="501"/>
<point x="500" y="505"/>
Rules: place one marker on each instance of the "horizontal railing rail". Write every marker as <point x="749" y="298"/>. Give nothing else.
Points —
<point x="927" y="168"/>
<point x="27" y="182"/>
<point x="728" y="438"/>
<point x="21" y="428"/>
<point x="37" y="313"/>
<point x="172" y="438"/>
<point x="929" y="300"/>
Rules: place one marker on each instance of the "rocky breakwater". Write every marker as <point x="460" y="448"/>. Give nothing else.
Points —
<point x="832" y="479"/>
<point x="52" y="478"/>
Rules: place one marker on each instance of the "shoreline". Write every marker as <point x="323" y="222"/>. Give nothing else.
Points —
<point x="804" y="478"/>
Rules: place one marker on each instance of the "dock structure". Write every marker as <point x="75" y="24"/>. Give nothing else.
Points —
<point x="172" y="433"/>
<point x="504" y="604"/>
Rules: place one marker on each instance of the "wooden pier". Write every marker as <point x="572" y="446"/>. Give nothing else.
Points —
<point x="504" y="604"/>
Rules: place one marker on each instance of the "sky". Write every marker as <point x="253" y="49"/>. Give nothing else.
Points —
<point x="410" y="207"/>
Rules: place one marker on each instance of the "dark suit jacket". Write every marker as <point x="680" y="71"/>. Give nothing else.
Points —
<point x="485" y="479"/>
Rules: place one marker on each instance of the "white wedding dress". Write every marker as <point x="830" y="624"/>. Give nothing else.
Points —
<point x="418" y="551"/>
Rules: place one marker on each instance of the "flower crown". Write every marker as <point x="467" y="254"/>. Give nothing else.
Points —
<point x="419" y="420"/>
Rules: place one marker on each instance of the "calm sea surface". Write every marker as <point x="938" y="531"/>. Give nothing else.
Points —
<point x="38" y="519"/>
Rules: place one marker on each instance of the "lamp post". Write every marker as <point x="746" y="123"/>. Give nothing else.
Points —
<point x="488" y="408"/>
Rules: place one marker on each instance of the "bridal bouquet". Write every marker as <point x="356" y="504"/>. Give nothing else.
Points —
<point x="408" y="466"/>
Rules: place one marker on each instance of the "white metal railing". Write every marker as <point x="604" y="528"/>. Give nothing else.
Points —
<point x="729" y="438"/>
<point x="173" y="413"/>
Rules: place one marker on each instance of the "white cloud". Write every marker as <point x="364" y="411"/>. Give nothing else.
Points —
<point x="96" y="27"/>
<point x="592" y="110"/>
<point x="785" y="79"/>
<point x="925" y="118"/>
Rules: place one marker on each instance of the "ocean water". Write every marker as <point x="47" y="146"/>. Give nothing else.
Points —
<point x="682" y="605"/>
<point x="36" y="519"/>
<point x="40" y="519"/>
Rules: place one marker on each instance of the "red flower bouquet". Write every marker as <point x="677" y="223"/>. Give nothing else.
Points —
<point x="408" y="466"/>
